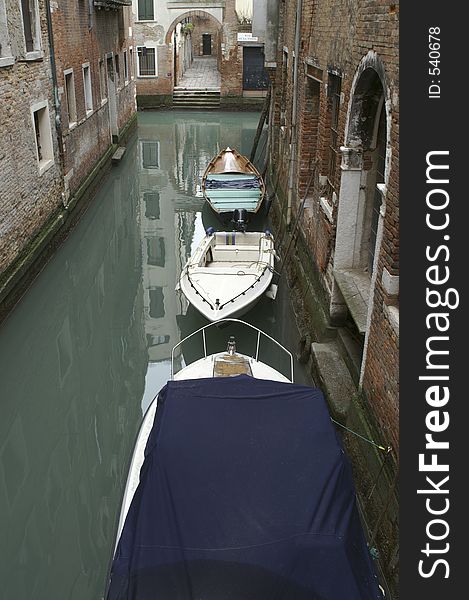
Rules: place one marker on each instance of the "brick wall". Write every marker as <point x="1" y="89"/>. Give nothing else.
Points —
<point x="335" y="37"/>
<point x="27" y="198"/>
<point x="205" y="26"/>
<point x="82" y="38"/>
<point x="345" y="42"/>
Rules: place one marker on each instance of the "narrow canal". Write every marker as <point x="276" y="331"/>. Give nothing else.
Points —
<point x="89" y="346"/>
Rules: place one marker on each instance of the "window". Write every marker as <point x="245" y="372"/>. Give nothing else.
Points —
<point x="126" y="67"/>
<point x="156" y="303"/>
<point x="5" y="50"/>
<point x="150" y="155"/>
<point x="152" y="205"/>
<point x="118" y="71"/>
<point x="131" y="62"/>
<point x="31" y="27"/>
<point x="156" y="251"/>
<point x="283" y="99"/>
<point x="70" y="96"/>
<point x="333" y="99"/>
<point x="146" y="11"/>
<point x="146" y="61"/>
<point x="87" y="89"/>
<point x="102" y="80"/>
<point x="43" y="135"/>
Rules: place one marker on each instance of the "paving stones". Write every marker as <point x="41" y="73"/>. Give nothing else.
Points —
<point x="202" y="74"/>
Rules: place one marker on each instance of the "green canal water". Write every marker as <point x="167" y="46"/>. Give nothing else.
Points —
<point x="89" y="346"/>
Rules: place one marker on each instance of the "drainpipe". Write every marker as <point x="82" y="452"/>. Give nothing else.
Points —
<point x="53" y="65"/>
<point x="294" y="141"/>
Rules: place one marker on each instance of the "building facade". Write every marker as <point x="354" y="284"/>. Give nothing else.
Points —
<point x="169" y="35"/>
<point x="31" y="185"/>
<point x="96" y="84"/>
<point x="333" y="143"/>
<point x="67" y="98"/>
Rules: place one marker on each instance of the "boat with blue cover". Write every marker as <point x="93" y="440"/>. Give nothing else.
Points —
<point x="239" y="489"/>
<point x="233" y="187"/>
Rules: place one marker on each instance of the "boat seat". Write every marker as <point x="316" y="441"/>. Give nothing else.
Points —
<point x="222" y="253"/>
<point x="233" y="193"/>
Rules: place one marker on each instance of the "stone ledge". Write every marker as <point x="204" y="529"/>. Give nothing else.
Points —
<point x="333" y="377"/>
<point x="354" y="285"/>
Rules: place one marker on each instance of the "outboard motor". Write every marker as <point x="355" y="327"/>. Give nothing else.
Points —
<point x="240" y="219"/>
<point x="231" y="345"/>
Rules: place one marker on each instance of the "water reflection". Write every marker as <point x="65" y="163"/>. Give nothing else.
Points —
<point x="73" y="362"/>
<point x="88" y="348"/>
<point x="173" y="152"/>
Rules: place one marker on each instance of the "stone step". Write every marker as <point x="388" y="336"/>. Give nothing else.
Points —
<point x="200" y="98"/>
<point x="118" y="154"/>
<point x="200" y="106"/>
<point x="210" y="90"/>
<point x="195" y="97"/>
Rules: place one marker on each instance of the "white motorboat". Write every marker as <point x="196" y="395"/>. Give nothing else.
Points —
<point x="238" y="477"/>
<point x="228" y="273"/>
<point x="222" y="364"/>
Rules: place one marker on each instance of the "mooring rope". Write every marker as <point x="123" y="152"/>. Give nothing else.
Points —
<point x="387" y="449"/>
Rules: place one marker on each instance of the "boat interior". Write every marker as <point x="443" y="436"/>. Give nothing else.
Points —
<point x="233" y="190"/>
<point x="235" y="247"/>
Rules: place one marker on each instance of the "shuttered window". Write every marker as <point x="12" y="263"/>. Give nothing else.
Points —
<point x="146" y="11"/>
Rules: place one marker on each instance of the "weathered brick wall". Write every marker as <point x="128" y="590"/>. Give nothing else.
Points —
<point x="336" y="35"/>
<point x="231" y="67"/>
<point x="207" y="26"/>
<point x="342" y="38"/>
<point x="27" y="199"/>
<point x="81" y="38"/>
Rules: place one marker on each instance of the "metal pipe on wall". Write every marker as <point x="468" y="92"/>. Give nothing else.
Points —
<point x="294" y="141"/>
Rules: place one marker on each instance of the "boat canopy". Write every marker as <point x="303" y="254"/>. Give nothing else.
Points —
<point x="245" y="493"/>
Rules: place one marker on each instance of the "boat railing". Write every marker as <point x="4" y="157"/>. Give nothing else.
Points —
<point x="259" y="336"/>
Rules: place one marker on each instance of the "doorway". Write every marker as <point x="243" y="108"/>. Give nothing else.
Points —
<point x="206" y="44"/>
<point x="255" y="76"/>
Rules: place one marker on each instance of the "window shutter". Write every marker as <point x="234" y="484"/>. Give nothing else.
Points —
<point x="145" y="10"/>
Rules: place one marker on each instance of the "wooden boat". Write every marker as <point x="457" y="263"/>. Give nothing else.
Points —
<point x="239" y="488"/>
<point x="228" y="273"/>
<point x="233" y="187"/>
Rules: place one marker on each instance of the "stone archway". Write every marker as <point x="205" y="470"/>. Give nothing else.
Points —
<point x="192" y="35"/>
<point x="365" y="170"/>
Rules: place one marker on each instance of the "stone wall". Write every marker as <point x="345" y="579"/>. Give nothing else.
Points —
<point x="27" y="196"/>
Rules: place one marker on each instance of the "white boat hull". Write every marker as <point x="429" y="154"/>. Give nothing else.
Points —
<point x="224" y="280"/>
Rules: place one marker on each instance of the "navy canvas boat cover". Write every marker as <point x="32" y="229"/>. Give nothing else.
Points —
<point x="245" y="494"/>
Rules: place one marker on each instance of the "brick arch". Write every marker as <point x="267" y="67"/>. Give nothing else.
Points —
<point x="191" y="13"/>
